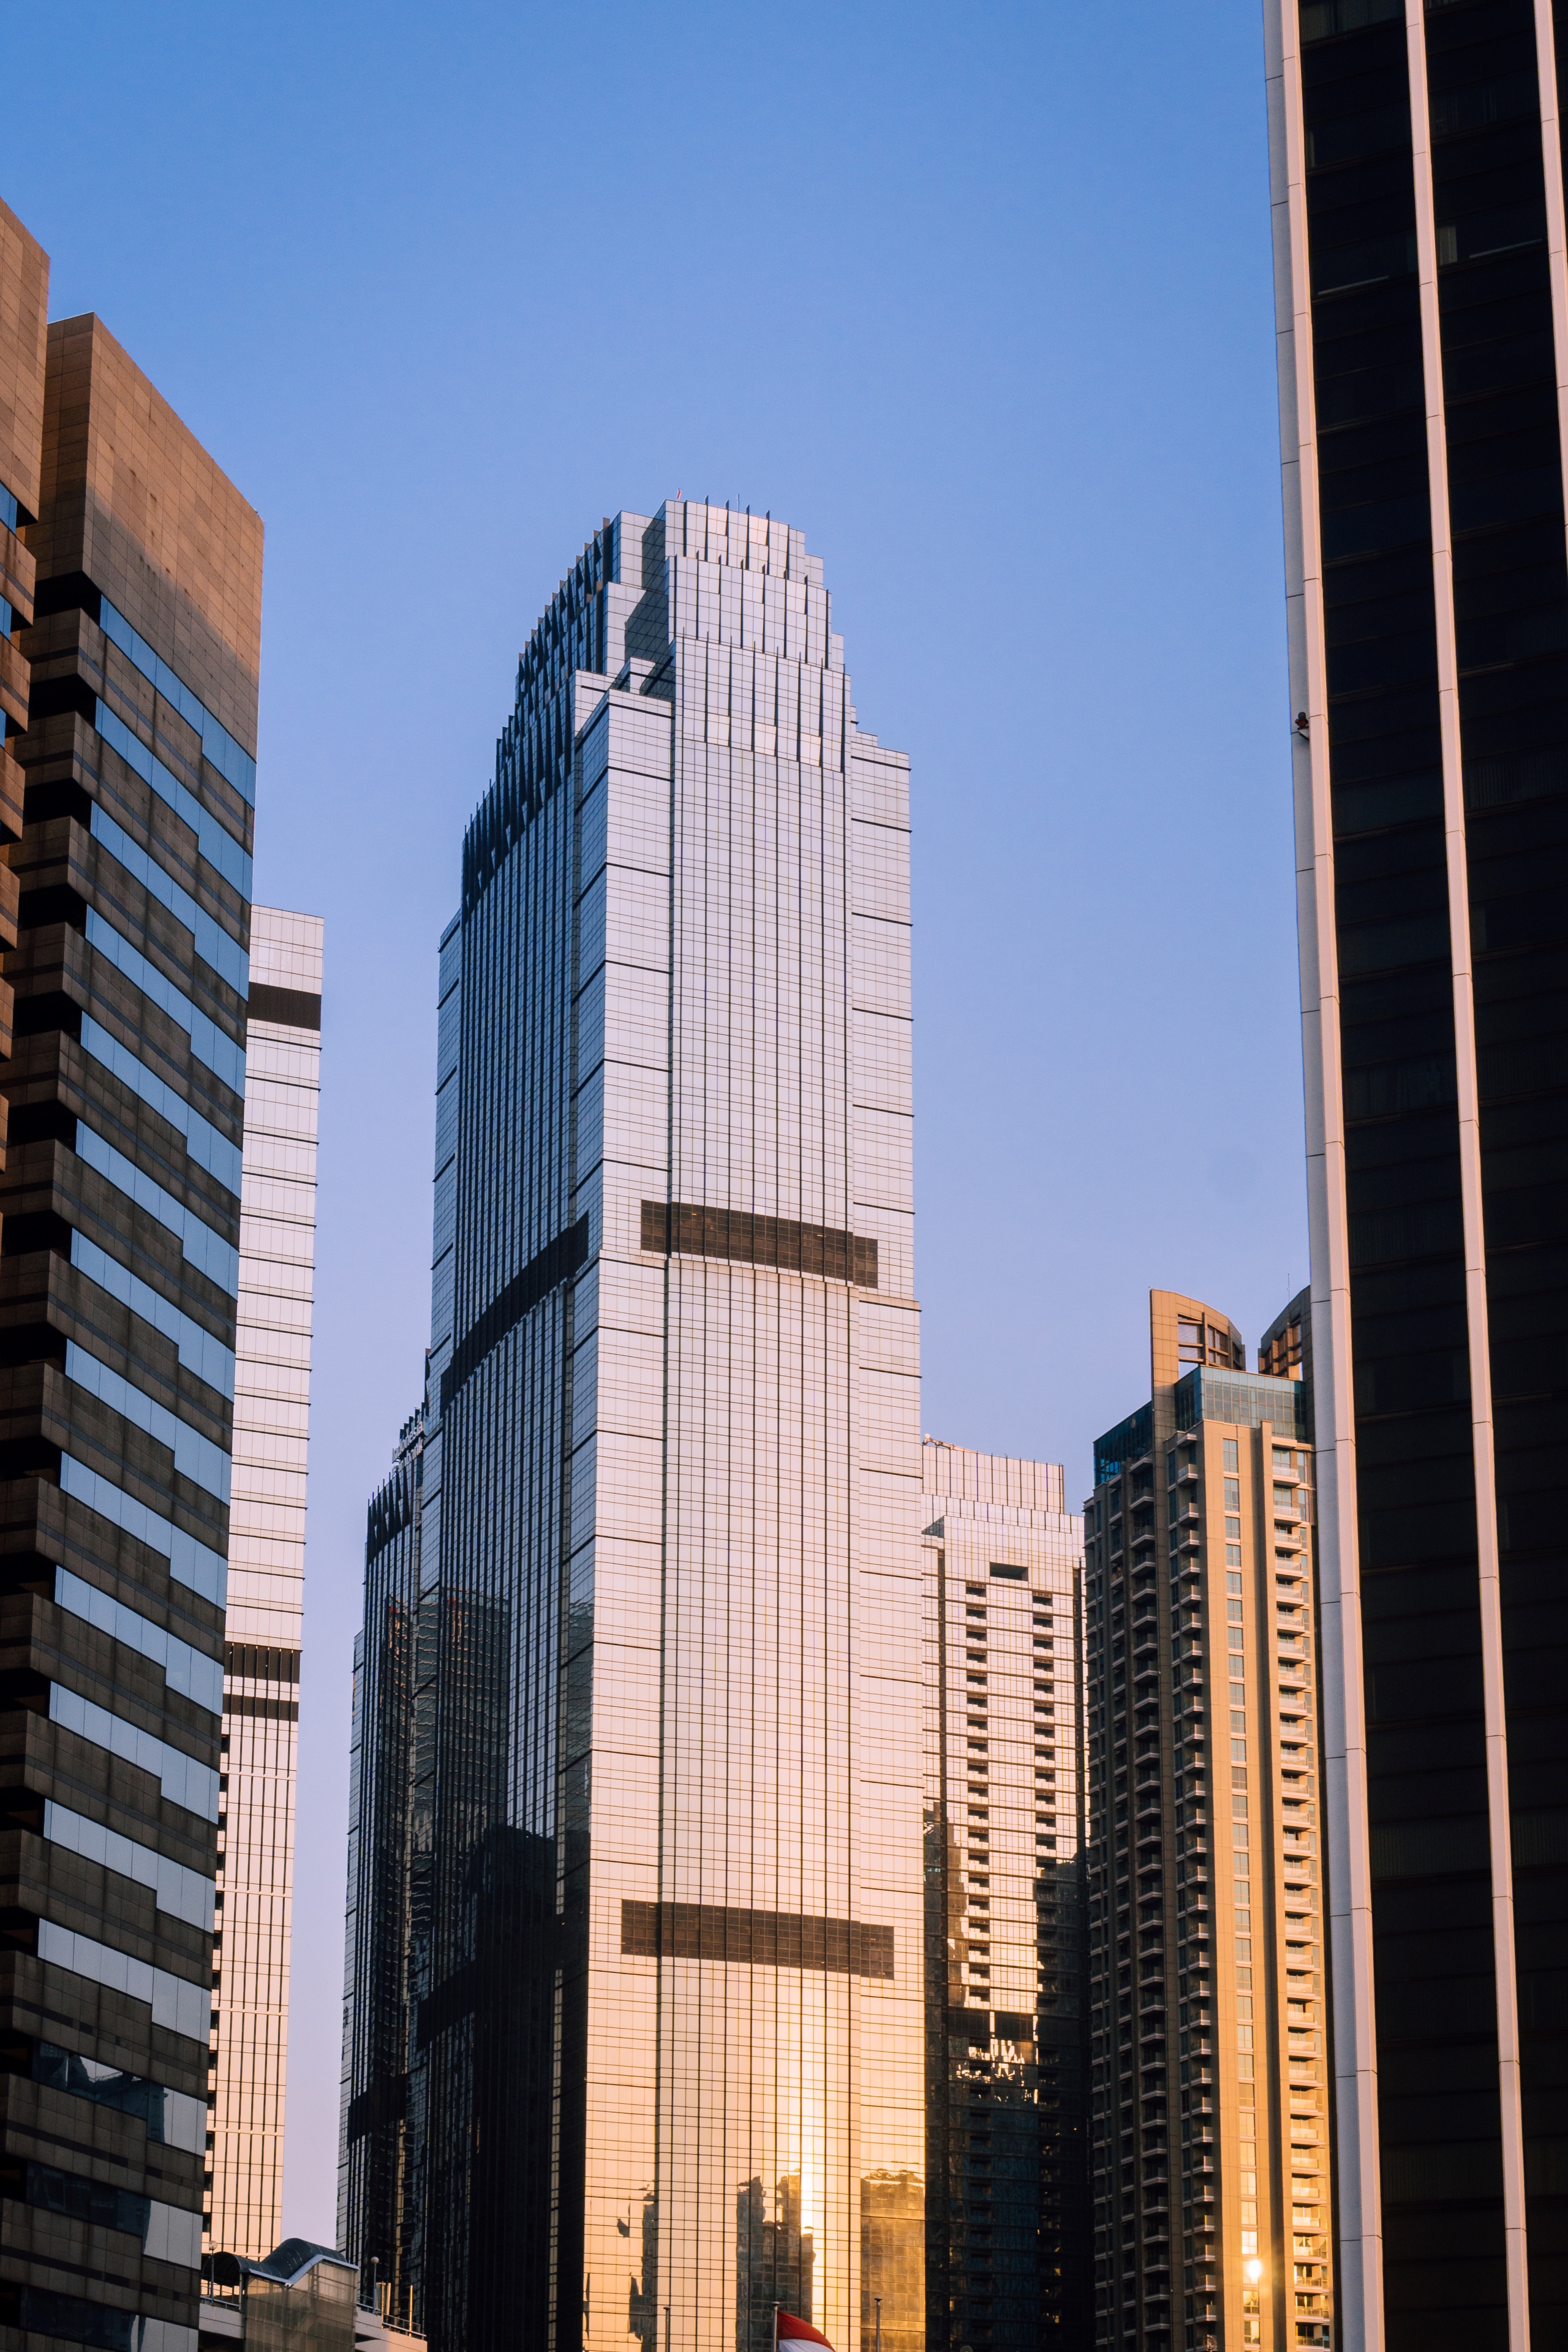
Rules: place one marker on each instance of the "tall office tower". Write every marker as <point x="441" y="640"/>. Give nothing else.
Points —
<point x="265" y="1581"/>
<point x="1007" y="2235"/>
<point x="118" y="1288"/>
<point x="1423" y="321"/>
<point x="1210" y="2104"/>
<point x="378" y="2201"/>
<point x="664" y="2064"/>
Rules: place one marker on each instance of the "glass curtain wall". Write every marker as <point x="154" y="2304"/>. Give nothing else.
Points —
<point x="664" y="1929"/>
<point x="1418" y="175"/>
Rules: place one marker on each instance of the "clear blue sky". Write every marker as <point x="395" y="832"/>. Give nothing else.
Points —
<point x="977" y="297"/>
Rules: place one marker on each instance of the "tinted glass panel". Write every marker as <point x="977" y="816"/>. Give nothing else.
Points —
<point x="1438" y="2122"/>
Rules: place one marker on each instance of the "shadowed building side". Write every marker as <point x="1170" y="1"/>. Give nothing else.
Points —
<point x="376" y="2200"/>
<point x="1422" y="319"/>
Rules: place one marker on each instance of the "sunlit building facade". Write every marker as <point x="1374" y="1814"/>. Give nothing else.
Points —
<point x="131" y="613"/>
<point x="1009" y="2265"/>
<point x="266" y="1582"/>
<point x="1422" y="315"/>
<point x="662" y="2063"/>
<point x="1213" y="2224"/>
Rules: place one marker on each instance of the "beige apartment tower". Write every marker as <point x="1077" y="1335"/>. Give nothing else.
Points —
<point x="266" y="1583"/>
<point x="1006" y="2265"/>
<point x="1209" y="2032"/>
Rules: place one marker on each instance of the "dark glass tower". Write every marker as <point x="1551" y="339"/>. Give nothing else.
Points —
<point x="376" y="2206"/>
<point x="1423" y="321"/>
<point x="118" y="1281"/>
<point x="652" y="1779"/>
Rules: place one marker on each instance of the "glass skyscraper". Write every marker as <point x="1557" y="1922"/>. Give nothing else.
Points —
<point x="378" y="2199"/>
<point x="651" y="2057"/>
<point x="1422" y="329"/>
<point x="130" y="618"/>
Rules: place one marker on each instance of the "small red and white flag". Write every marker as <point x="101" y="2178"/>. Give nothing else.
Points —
<point x="788" y="2329"/>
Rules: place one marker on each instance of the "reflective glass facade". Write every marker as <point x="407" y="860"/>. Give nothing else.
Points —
<point x="1212" y="2204"/>
<point x="662" y="1992"/>
<point x="121" y="1254"/>
<point x="265" y="1581"/>
<point x="377" y="2206"/>
<point x="1008" y="2263"/>
<point x="1423" y="319"/>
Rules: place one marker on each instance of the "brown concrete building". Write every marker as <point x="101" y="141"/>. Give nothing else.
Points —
<point x="129" y="689"/>
<point x="24" y="308"/>
<point x="1210" y="2130"/>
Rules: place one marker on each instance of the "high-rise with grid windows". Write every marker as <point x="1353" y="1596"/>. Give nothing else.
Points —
<point x="1421" y="278"/>
<point x="660" y="2058"/>
<point x="1210" y="2123"/>
<point x="1008" y="2263"/>
<point x="266" y="1582"/>
<point x="131" y="622"/>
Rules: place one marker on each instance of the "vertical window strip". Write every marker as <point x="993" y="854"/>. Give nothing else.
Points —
<point x="1556" y="225"/>
<point x="1509" y="2074"/>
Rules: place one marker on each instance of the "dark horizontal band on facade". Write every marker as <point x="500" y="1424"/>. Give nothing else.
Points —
<point x="555" y="1263"/>
<point x="517" y="1974"/>
<point x="43" y="2311"/>
<point x="293" y="1008"/>
<point x="253" y="1663"/>
<point x="768" y="1939"/>
<point x="980" y="2025"/>
<point x="391" y="1510"/>
<point x="279" y="1710"/>
<point x="682" y="1228"/>
<point x="385" y="2102"/>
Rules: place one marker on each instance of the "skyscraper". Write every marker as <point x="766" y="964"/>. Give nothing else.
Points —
<point x="1423" y="324"/>
<point x="1008" y="2263"/>
<point x="130" y="886"/>
<point x="266" y="1580"/>
<point x="663" y="2060"/>
<point x="1210" y="2132"/>
<point x="379" y="2199"/>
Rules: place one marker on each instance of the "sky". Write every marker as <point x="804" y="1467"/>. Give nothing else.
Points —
<point x="979" y="299"/>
